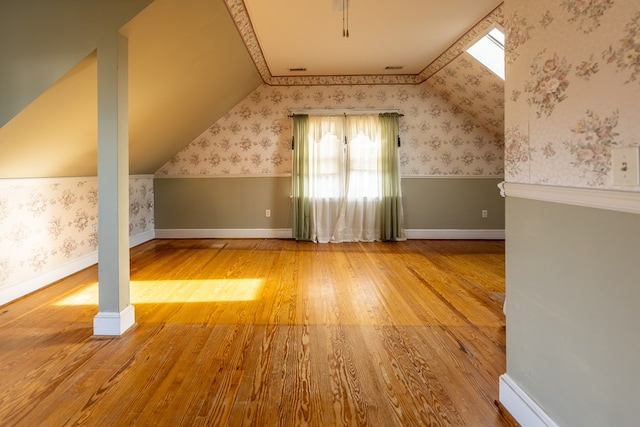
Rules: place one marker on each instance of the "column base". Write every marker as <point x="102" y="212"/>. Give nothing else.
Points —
<point x="114" y="324"/>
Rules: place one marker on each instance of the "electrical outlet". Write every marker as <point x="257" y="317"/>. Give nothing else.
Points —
<point x="95" y="228"/>
<point x="267" y="213"/>
<point x="624" y="164"/>
<point x="485" y="213"/>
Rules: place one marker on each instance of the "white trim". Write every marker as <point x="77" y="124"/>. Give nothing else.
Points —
<point x="9" y="182"/>
<point x="114" y="324"/>
<point x="500" y="177"/>
<point x="25" y="287"/>
<point x="435" y="234"/>
<point x="288" y="175"/>
<point x="526" y="412"/>
<point x="224" y="233"/>
<point x="622" y="201"/>
<point x="287" y="233"/>
<point x="278" y="175"/>
<point x="141" y="238"/>
<point x="20" y="289"/>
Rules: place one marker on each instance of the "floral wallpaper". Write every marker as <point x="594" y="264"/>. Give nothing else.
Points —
<point x="571" y="94"/>
<point x="467" y="83"/>
<point x="47" y="222"/>
<point x="438" y="137"/>
<point x="141" y="205"/>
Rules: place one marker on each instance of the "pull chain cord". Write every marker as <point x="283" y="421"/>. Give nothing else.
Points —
<point x="344" y="32"/>
<point x="345" y="18"/>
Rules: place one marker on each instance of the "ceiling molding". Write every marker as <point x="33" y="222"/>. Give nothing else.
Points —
<point x="495" y="17"/>
<point x="240" y="16"/>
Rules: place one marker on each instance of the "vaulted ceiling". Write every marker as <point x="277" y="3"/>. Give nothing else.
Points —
<point x="391" y="42"/>
<point x="191" y="61"/>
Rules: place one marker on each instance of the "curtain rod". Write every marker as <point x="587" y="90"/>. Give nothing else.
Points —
<point x="336" y="112"/>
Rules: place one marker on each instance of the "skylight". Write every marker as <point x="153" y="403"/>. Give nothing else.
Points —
<point x="489" y="50"/>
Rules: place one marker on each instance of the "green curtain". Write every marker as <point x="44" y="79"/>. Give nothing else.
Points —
<point x="392" y="217"/>
<point x="300" y="190"/>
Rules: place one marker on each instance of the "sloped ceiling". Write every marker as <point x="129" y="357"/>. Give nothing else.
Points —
<point x="187" y="67"/>
<point x="41" y="40"/>
<point x="190" y="62"/>
<point x="56" y="135"/>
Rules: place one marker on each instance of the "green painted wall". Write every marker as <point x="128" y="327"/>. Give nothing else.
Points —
<point x="573" y="290"/>
<point x="214" y="203"/>
<point x="221" y="203"/>
<point x="452" y="203"/>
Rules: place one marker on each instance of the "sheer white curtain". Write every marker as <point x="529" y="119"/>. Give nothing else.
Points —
<point x="359" y="218"/>
<point x="326" y="174"/>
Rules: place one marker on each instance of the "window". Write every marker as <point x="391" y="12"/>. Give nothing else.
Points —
<point x="329" y="150"/>
<point x="346" y="184"/>
<point x="489" y="50"/>
<point x="363" y="166"/>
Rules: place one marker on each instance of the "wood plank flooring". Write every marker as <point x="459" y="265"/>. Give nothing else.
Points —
<point x="267" y="333"/>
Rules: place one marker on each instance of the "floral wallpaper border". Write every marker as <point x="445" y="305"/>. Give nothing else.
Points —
<point x="496" y="17"/>
<point x="240" y="16"/>
<point x="47" y="222"/>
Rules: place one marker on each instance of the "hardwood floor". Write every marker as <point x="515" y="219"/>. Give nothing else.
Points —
<point x="265" y="333"/>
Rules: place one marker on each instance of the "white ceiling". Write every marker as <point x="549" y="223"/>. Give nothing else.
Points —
<point x="309" y="34"/>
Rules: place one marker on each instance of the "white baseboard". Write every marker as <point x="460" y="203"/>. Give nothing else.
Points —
<point x="61" y="271"/>
<point x="141" y="238"/>
<point x="114" y="324"/>
<point x="521" y="406"/>
<point x="225" y="233"/>
<point x="455" y="234"/>
<point x="32" y="284"/>
<point x="287" y="233"/>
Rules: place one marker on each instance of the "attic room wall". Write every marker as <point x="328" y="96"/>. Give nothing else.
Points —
<point x="442" y="147"/>
<point x="572" y="95"/>
<point x="46" y="223"/>
<point x="52" y="142"/>
<point x="47" y="228"/>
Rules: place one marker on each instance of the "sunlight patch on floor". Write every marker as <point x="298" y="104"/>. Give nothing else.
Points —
<point x="176" y="291"/>
<point x="205" y="290"/>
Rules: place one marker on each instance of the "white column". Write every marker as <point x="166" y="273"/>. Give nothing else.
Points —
<point x="115" y="312"/>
